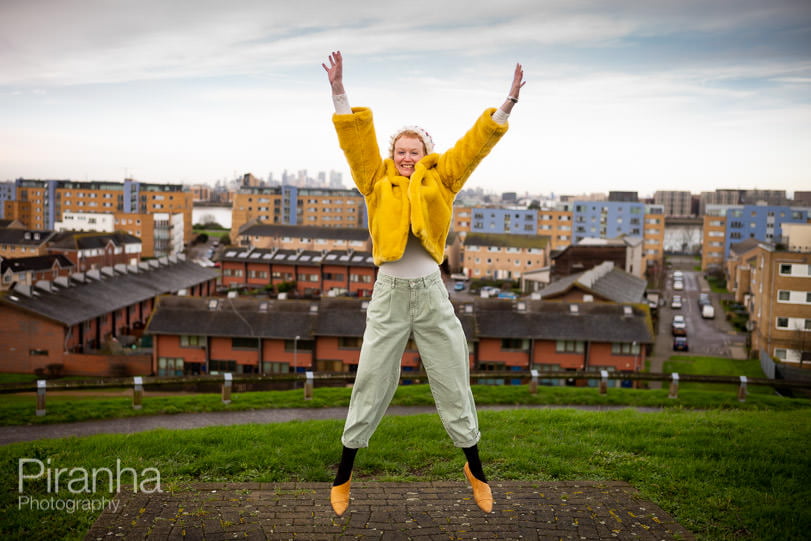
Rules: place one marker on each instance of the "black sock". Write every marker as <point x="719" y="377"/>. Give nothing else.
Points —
<point x="474" y="462"/>
<point x="345" y="467"/>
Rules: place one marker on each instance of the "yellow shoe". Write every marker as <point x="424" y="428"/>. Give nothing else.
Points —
<point x="339" y="497"/>
<point x="481" y="491"/>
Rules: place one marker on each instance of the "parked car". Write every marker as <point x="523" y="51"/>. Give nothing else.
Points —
<point x="459" y="286"/>
<point x="678" y="285"/>
<point x="707" y="311"/>
<point x="703" y="299"/>
<point x="679" y="325"/>
<point x="507" y="295"/>
<point x="680" y="343"/>
<point x="678" y="275"/>
<point x="675" y="303"/>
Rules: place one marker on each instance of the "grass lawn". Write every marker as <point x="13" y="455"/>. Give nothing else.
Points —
<point x="716" y="366"/>
<point x="722" y="474"/>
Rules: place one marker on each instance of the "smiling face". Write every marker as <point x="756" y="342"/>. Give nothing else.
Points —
<point x="408" y="150"/>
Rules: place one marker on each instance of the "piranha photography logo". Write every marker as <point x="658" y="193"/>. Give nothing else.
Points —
<point x="76" y="489"/>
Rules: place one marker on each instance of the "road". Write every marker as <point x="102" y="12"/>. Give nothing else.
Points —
<point x="713" y="337"/>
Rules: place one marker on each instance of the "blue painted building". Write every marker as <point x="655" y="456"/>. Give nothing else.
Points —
<point x="501" y="221"/>
<point x="763" y="223"/>
<point x="607" y="219"/>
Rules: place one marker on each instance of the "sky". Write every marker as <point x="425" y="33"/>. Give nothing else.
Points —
<point x="629" y="95"/>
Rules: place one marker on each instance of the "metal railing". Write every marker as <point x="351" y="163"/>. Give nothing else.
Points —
<point x="226" y="382"/>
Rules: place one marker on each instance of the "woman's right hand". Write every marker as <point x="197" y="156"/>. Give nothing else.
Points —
<point x="335" y="72"/>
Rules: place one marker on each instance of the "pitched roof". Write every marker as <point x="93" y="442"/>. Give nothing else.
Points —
<point x="604" y="281"/>
<point x="509" y="240"/>
<point x="85" y="296"/>
<point x="594" y="322"/>
<point x="298" y="257"/>
<point x="308" y="232"/>
<point x="35" y="263"/>
<point x="744" y="246"/>
<point x="26" y="237"/>
<point x="248" y="317"/>
<point x="483" y="318"/>
<point x="84" y="240"/>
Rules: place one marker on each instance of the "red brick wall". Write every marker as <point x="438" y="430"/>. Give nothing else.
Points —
<point x="76" y="364"/>
<point x="545" y="354"/>
<point x="169" y="346"/>
<point x="490" y="351"/>
<point x="600" y="355"/>
<point x="221" y="350"/>
<point x="20" y="333"/>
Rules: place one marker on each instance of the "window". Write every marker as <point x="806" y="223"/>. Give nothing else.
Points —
<point x="217" y="367"/>
<point x="169" y="366"/>
<point x="192" y="341"/>
<point x="519" y="344"/>
<point x="785" y="268"/>
<point x="783" y="295"/>
<point x="569" y="346"/>
<point x="38" y="352"/>
<point x="624" y="348"/>
<point x="245" y="343"/>
<point x="782" y="323"/>
<point x="353" y="342"/>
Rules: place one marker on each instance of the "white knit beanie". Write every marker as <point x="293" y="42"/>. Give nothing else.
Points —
<point x="424" y="135"/>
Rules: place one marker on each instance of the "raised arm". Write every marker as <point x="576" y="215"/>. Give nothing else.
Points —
<point x="515" y="89"/>
<point x="335" y="72"/>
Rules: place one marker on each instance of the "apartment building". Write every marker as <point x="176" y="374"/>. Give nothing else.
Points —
<point x="775" y="286"/>
<point x="248" y="335"/>
<point x="613" y="219"/>
<point x="718" y="197"/>
<point x="159" y="213"/>
<point x="290" y="205"/>
<point x="733" y="224"/>
<point x="556" y="223"/>
<point x="503" y="257"/>
<point x="674" y="202"/>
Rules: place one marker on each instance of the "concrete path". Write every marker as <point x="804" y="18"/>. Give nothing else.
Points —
<point x="180" y="421"/>
<point x="389" y="511"/>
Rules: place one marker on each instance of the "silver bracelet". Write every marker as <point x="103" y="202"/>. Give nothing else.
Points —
<point x="514" y="100"/>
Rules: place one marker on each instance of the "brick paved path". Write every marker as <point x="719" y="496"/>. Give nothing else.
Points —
<point x="398" y="511"/>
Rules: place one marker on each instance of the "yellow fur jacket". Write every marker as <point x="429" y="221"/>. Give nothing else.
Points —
<point x="425" y="201"/>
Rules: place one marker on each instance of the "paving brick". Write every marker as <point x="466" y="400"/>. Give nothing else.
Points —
<point x="421" y="511"/>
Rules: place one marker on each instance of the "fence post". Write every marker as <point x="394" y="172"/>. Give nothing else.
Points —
<point x="40" y="397"/>
<point x="674" y="386"/>
<point x="533" y="384"/>
<point x="603" y="381"/>
<point x="226" y="388"/>
<point x="308" y="386"/>
<point x="742" y="390"/>
<point x="137" y="392"/>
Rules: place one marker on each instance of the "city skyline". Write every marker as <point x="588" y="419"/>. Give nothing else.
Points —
<point x="690" y="96"/>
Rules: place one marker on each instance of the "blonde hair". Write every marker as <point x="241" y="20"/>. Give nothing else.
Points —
<point x="412" y="131"/>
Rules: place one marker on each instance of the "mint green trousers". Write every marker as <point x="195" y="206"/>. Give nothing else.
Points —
<point x="400" y="307"/>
